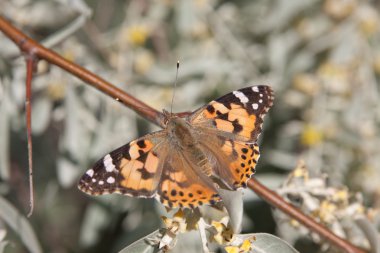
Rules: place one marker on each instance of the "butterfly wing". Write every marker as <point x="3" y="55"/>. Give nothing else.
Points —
<point x="182" y="186"/>
<point x="145" y="168"/>
<point x="229" y="128"/>
<point x="237" y="115"/>
<point x="234" y="161"/>
<point x="134" y="169"/>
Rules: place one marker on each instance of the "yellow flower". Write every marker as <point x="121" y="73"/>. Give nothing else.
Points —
<point x="223" y="234"/>
<point x="200" y="30"/>
<point x="300" y="171"/>
<point x="368" y="20"/>
<point x="311" y="136"/>
<point x="137" y="34"/>
<point x="326" y="211"/>
<point x="335" y="77"/>
<point x="69" y="55"/>
<point x="177" y="224"/>
<point x="294" y="223"/>
<point x="339" y="9"/>
<point x="376" y="64"/>
<point x="341" y="196"/>
<point x="306" y="83"/>
<point x="232" y="249"/>
<point x="245" y="247"/>
<point x="143" y="62"/>
<point x="56" y="91"/>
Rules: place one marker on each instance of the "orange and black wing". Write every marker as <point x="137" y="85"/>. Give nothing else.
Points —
<point x="133" y="169"/>
<point x="235" y="161"/>
<point x="229" y="128"/>
<point x="237" y="115"/>
<point x="182" y="186"/>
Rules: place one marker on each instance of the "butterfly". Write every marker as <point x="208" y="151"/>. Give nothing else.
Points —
<point x="186" y="163"/>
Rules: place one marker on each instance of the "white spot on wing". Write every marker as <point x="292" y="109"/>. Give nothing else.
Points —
<point x="90" y="172"/>
<point x="260" y="101"/>
<point x="108" y="164"/>
<point x="255" y="89"/>
<point x="110" y="180"/>
<point x="93" y="180"/>
<point x="240" y="95"/>
<point x="255" y="106"/>
<point x="101" y="182"/>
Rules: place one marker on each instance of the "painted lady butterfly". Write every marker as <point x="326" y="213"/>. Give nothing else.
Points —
<point x="186" y="163"/>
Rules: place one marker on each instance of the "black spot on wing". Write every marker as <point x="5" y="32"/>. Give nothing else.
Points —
<point x="237" y="126"/>
<point x="145" y="174"/>
<point x="223" y="116"/>
<point x="141" y="144"/>
<point x="136" y="193"/>
<point x="141" y="152"/>
<point x="210" y="109"/>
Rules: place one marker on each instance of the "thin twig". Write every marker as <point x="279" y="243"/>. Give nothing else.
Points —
<point x="30" y="63"/>
<point x="27" y="45"/>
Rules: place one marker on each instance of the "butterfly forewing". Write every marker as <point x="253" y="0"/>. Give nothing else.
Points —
<point x="238" y="114"/>
<point x="133" y="169"/>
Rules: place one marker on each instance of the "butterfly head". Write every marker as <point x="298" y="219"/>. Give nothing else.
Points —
<point x="179" y="129"/>
<point x="177" y="125"/>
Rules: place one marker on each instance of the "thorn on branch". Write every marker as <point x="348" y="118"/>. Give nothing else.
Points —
<point x="31" y="63"/>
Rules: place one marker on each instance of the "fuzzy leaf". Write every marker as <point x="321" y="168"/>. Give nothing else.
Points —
<point x="267" y="243"/>
<point x="10" y="215"/>
<point x="142" y="246"/>
<point x="370" y="232"/>
<point x="233" y="201"/>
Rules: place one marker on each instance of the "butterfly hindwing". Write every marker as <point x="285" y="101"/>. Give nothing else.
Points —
<point x="180" y="186"/>
<point x="242" y="160"/>
<point x="133" y="169"/>
<point x="238" y="114"/>
<point x="234" y="161"/>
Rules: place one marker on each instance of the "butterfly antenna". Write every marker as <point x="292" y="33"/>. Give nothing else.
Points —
<point x="175" y="85"/>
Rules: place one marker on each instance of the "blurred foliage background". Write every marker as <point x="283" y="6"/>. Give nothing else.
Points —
<point x="322" y="58"/>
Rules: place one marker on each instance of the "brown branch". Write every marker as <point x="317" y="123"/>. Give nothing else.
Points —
<point x="30" y="63"/>
<point x="277" y="201"/>
<point x="27" y="45"/>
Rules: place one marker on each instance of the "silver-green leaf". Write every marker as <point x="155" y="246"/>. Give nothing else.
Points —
<point x="267" y="243"/>
<point x="21" y="226"/>
<point x="142" y="245"/>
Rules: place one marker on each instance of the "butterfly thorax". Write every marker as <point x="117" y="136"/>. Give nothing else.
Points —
<point x="183" y="137"/>
<point x="180" y="132"/>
